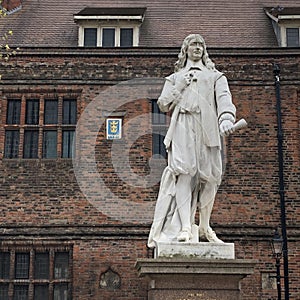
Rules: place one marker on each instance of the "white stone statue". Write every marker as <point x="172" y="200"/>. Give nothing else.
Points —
<point x="200" y="100"/>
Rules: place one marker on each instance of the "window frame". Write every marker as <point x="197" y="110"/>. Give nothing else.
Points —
<point x="110" y="25"/>
<point x="159" y="129"/>
<point x="14" y="107"/>
<point x="9" y="283"/>
<point x="84" y="41"/>
<point x="15" y="145"/>
<point x="286" y="35"/>
<point x="102" y="36"/>
<point x="126" y="28"/>
<point x="283" y="32"/>
<point x="11" y="150"/>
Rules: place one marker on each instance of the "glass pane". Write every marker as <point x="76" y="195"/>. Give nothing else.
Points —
<point x="292" y="37"/>
<point x="90" y="37"/>
<point x="41" y="292"/>
<point x="20" y="292"/>
<point x="51" y="112"/>
<point x="108" y="37"/>
<point x="4" y="292"/>
<point x="158" y="143"/>
<point x="68" y="137"/>
<point x="126" y="37"/>
<point x="31" y="138"/>
<point x="70" y="112"/>
<point x="32" y="112"/>
<point x="158" y="117"/>
<point x="155" y="143"/>
<point x="13" y="112"/>
<point x="61" y="265"/>
<point x="41" y="266"/>
<point x="22" y="266"/>
<point x="60" y="292"/>
<point x="4" y="265"/>
<point x="50" y="144"/>
<point x="12" y="138"/>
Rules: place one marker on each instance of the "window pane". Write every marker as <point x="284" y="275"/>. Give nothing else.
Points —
<point x="51" y="112"/>
<point x="12" y="139"/>
<point x="158" y="143"/>
<point x="108" y="37"/>
<point x="90" y="37"/>
<point x="69" y="112"/>
<point x="4" y="265"/>
<point x="68" y="137"/>
<point x="32" y="112"/>
<point x="13" y="112"/>
<point x="50" y="144"/>
<point x="31" y="138"/>
<point x="20" y="292"/>
<point x="60" y="292"/>
<point x="126" y="37"/>
<point x="41" y="266"/>
<point x="158" y="117"/>
<point x="61" y="265"/>
<point x="4" y="292"/>
<point x="41" y="292"/>
<point x="292" y="37"/>
<point x="22" y="266"/>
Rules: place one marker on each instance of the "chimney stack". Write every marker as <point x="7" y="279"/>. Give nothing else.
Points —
<point x="11" y="5"/>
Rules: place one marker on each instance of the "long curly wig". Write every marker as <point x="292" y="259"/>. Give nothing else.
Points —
<point x="182" y="56"/>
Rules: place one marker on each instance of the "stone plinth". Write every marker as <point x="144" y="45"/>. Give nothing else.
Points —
<point x="195" y="250"/>
<point x="192" y="278"/>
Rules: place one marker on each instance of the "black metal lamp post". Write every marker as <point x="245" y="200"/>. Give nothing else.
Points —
<point x="276" y="71"/>
<point x="277" y="247"/>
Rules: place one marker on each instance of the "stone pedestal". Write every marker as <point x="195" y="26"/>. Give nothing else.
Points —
<point x="193" y="278"/>
<point x="195" y="250"/>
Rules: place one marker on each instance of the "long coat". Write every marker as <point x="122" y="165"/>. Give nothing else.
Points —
<point x="193" y="142"/>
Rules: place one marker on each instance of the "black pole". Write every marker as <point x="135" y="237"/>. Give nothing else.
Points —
<point x="278" y="277"/>
<point x="276" y="71"/>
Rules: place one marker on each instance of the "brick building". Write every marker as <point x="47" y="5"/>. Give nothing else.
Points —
<point x="73" y="228"/>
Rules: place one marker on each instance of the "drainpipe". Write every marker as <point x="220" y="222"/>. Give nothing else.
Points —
<point x="276" y="71"/>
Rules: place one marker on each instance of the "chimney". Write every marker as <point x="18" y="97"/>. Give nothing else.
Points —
<point x="11" y="5"/>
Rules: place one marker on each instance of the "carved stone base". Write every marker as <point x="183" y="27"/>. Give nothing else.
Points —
<point x="191" y="279"/>
<point x="195" y="250"/>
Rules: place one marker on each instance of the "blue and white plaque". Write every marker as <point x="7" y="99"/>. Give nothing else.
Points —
<point x="113" y="129"/>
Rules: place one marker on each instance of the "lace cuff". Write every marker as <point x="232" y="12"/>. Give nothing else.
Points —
<point x="226" y="116"/>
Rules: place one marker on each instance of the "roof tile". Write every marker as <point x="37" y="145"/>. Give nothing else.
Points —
<point x="223" y="24"/>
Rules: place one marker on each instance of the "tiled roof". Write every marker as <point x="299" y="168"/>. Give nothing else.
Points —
<point x="222" y="23"/>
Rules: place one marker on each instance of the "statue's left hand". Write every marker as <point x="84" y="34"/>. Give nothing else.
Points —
<point x="226" y="127"/>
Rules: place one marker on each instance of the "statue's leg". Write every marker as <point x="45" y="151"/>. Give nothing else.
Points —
<point x="183" y="202"/>
<point x="207" y="198"/>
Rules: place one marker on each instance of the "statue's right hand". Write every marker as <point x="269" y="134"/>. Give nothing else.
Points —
<point x="182" y="81"/>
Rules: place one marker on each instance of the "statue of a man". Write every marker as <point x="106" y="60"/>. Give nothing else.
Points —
<point x="200" y="100"/>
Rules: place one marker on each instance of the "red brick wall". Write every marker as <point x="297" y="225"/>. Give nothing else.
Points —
<point x="42" y="198"/>
<point x="94" y="257"/>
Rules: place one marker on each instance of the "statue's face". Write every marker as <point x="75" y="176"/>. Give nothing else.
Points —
<point x="195" y="50"/>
